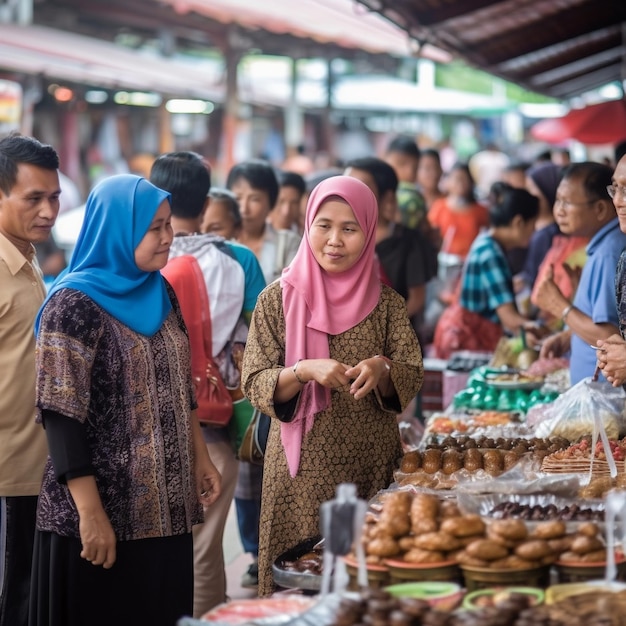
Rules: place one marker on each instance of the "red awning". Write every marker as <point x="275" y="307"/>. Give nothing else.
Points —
<point x="63" y="55"/>
<point x="343" y="22"/>
<point x="603" y="123"/>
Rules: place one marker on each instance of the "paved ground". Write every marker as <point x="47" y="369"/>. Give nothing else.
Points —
<point x="237" y="561"/>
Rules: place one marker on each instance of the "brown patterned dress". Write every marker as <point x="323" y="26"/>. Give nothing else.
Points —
<point x="353" y="441"/>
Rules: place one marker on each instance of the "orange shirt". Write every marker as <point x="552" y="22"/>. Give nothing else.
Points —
<point x="467" y="223"/>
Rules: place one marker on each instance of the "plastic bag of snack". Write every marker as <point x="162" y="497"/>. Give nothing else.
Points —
<point x="575" y="413"/>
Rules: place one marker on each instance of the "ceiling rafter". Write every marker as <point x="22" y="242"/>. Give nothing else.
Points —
<point x="519" y="40"/>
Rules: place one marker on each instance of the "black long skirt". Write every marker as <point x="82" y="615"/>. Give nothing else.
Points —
<point x="151" y="583"/>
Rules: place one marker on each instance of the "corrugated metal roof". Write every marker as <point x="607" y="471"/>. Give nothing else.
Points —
<point x="561" y="48"/>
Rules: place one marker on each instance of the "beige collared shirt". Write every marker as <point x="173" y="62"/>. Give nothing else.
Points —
<point x="23" y="445"/>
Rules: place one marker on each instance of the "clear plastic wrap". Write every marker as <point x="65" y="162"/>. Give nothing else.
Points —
<point x="563" y="508"/>
<point x="524" y="478"/>
<point x="574" y="413"/>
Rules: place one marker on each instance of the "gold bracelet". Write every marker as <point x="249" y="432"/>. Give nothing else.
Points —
<point x="293" y="369"/>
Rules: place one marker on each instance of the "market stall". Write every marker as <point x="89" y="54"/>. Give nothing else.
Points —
<point x="509" y="510"/>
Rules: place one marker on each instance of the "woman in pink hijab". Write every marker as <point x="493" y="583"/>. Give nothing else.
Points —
<point x="332" y="358"/>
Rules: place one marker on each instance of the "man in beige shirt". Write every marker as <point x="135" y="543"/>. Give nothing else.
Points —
<point x="29" y="204"/>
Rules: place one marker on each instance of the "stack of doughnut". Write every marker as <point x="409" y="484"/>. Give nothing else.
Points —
<point x="508" y="544"/>
<point x="420" y="528"/>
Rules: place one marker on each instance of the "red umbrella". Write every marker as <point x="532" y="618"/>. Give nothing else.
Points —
<point x="595" y="124"/>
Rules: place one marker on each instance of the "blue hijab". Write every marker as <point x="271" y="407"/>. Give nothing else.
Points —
<point x="118" y="213"/>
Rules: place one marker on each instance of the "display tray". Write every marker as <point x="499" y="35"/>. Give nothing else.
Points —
<point x="420" y="566"/>
<point x="482" y="577"/>
<point x="444" y="596"/>
<point x="514" y="384"/>
<point x="589" y="564"/>
<point x="278" y="609"/>
<point x="290" y="579"/>
<point x="558" y="593"/>
<point x="492" y="596"/>
<point x="534" y="508"/>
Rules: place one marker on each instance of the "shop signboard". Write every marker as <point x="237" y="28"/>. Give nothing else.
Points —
<point x="11" y="99"/>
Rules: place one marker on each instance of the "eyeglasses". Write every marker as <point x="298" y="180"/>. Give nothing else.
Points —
<point x="614" y="190"/>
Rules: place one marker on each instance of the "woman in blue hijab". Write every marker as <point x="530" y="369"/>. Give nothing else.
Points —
<point x="128" y="471"/>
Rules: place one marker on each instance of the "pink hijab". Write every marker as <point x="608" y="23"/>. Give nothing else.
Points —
<point x="317" y="304"/>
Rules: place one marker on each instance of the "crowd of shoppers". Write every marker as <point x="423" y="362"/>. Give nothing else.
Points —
<point x="110" y="487"/>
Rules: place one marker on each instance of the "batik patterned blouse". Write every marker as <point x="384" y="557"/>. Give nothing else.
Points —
<point x="134" y="395"/>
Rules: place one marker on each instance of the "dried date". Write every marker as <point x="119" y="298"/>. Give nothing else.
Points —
<point x="539" y="513"/>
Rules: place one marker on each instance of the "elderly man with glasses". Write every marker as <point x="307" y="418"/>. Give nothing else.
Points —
<point x="584" y="207"/>
<point x="611" y="353"/>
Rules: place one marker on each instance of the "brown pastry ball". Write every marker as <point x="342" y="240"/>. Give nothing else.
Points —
<point x="486" y="550"/>
<point x="449" y="508"/>
<point x="513" y="562"/>
<point x="549" y="530"/>
<point x="493" y="462"/>
<point x="583" y="544"/>
<point x="466" y="559"/>
<point x="588" y="529"/>
<point x="597" y="556"/>
<point x="533" y="550"/>
<point x="463" y="526"/>
<point x="451" y="461"/>
<point x="370" y="559"/>
<point x="431" y="461"/>
<point x="563" y="544"/>
<point x="411" y="462"/>
<point x="392" y="527"/>
<point x="423" y="506"/>
<point x="454" y="554"/>
<point x="465" y="541"/>
<point x="406" y="543"/>
<point x="514" y="529"/>
<point x="397" y="502"/>
<point x="499" y="539"/>
<point x="439" y="541"/>
<point x="382" y="546"/>
<point x="473" y="460"/>
<point x="550" y="559"/>
<point x="568" y="556"/>
<point x="425" y="525"/>
<point x="418" y="555"/>
<point x="510" y="458"/>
